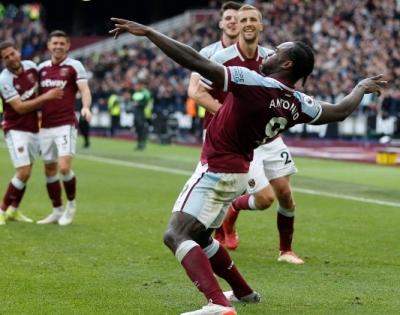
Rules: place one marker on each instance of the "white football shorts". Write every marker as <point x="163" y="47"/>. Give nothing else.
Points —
<point x="57" y="141"/>
<point x="23" y="147"/>
<point x="207" y="196"/>
<point x="271" y="160"/>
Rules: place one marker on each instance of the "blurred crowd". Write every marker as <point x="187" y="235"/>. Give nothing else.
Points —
<point x="25" y="26"/>
<point x="352" y="39"/>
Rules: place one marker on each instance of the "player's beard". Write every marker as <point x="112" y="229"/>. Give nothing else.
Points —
<point x="250" y="40"/>
<point x="15" y="67"/>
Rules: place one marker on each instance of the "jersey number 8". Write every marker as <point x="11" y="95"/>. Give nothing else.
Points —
<point x="274" y="126"/>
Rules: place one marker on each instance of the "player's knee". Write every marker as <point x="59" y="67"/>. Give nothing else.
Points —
<point x="51" y="169"/>
<point x="264" y="201"/>
<point x="171" y="239"/>
<point x="64" y="169"/>
<point x="23" y="175"/>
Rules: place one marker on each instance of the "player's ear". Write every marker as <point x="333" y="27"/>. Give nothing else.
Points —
<point x="220" y="25"/>
<point x="287" y="64"/>
<point x="261" y="26"/>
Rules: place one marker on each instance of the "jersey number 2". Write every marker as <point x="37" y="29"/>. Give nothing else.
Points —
<point x="285" y="155"/>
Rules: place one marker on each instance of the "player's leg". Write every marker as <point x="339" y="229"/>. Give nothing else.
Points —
<point x="180" y="237"/>
<point x="259" y="196"/>
<point x="49" y="154"/>
<point x="198" y="209"/>
<point x="278" y="167"/>
<point x="66" y="147"/>
<point x="19" y="181"/>
<point x="23" y="150"/>
<point x="224" y="267"/>
<point x="285" y="219"/>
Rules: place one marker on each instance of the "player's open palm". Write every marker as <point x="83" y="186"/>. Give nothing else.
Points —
<point x="373" y="84"/>
<point x="122" y="25"/>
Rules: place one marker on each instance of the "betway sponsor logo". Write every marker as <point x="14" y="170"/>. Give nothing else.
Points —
<point x="53" y="83"/>
<point x="27" y="94"/>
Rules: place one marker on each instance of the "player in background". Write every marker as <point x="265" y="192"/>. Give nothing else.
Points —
<point x="19" y="90"/>
<point x="230" y="33"/>
<point x="272" y="165"/>
<point x="258" y="108"/>
<point x="58" y="130"/>
<point x="228" y="25"/>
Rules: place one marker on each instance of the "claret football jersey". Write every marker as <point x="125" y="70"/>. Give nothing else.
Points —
<point x="257" y="109"/>
<point x="64" y="75"/>
<point x="24" y="86"/>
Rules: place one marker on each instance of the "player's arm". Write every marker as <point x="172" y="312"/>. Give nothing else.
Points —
<point x="180" y="53"/>
<point x="199" y="93"/>
<point x="341" y="110"/>
<point x="23" y="107"/>
<point x="84" y="89"/>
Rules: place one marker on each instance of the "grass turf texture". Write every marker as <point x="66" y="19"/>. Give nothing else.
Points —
<point x="111" y="260"/>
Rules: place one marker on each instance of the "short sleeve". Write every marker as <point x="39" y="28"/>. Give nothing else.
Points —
<point x="7" y="89"/>
<point x="309" y="106"/>
<point x="81" y="73"/>
<point x="241" y="76"/>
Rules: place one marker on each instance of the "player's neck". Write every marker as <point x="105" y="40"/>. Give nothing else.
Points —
<point x="56" y="61"/>
<point x="228" y="41"/>
<point x="286" y="80"/>
<point x="18" y="71"/>
<point x="248" y="49"/>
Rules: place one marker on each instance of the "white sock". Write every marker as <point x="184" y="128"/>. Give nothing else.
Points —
<point x="68" y="176"/>
<point x="12" y="209"/>
<point x="58" y="209"/>
<point x="71" y="203"/>
<point x="19" y="184"/>
<point x="252" y="202"/>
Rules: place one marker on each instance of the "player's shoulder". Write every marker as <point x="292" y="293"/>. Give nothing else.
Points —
<point x="225" y="54"/>
<point x="304" y="98"/>
<point x="264" y="51"/>
<point x="211" y="49"/>
<point x="6" y="76"/>
<point x="29" y="64"/>
<point x="74" y="63"/>
<point x="44" y="64"/>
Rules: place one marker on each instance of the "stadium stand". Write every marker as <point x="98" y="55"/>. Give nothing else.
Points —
<point x="352" y="39"/>
<point x="348" y="38"/>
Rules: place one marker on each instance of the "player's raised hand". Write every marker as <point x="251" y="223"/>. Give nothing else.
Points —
<point x="122" y="25"/>
<point x="373" y="84"/>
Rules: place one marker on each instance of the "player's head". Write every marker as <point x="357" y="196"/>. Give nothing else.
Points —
<point x="294" y="60"/>
<point x="228" y="19"/>
<point x="10" y="56"/>
<point x="58" y="44"/>
<point x="250" y="23"/>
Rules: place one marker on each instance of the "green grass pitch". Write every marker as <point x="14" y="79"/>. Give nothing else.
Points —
<point x="111" y="260"/>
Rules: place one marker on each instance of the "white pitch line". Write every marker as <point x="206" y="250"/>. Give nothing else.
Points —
<point x="134" y="165"/>
<point x="347" y="197"/>
<point x="187" y="173"/>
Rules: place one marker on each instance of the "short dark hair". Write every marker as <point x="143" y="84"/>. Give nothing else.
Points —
<point x="303" y="59"/>
<point x="5" y="44"/>
<point x="229" y="5"/>
<point x="58" y="33"/>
